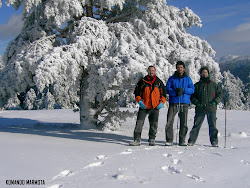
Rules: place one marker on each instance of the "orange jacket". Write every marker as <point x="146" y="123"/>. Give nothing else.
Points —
<point x="151" y="91"/>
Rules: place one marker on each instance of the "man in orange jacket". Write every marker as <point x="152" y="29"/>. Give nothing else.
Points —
<point x="150" y="93"/>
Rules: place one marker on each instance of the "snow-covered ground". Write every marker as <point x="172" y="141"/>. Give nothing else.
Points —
<point x="48" y="145"/>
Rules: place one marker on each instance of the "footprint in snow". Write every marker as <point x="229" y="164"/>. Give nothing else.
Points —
<point x="122" y="177"/>
<point x="171" y="169"/>
<point x="122" y="169"/>
<point x="55" y="186"/>
<point x="167" y="155"/>
<point x="245" y="162"/>
<point x="176" y="161"/>
<point x="196" y="178"/>
<point x="94" y="165"/>
<point x="232" y="147"/>
<point x="64" y="174"/>
<point x="216" y="153"/>
<point x="101" y="157"/>
<point x="180" y="152"/>
<point x="128" y="151"/>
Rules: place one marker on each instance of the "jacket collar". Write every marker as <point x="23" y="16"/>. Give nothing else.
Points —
<point x="150" y="80"/>
<point x="176" y="74"/>
<point x="205" y="80"/>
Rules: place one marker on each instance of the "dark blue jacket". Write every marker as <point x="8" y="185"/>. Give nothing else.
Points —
<point x="184" y="82"/>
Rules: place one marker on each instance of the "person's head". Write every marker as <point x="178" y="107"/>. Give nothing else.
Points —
<point x="151" y="71"/>
<point x="180" y="67"/>
<point x="204" y="72"/>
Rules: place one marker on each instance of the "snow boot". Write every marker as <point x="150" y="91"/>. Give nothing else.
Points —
<point x="151" y="142"/>
<point x="190" y="144"/>
<point x="182" y="144"/>
<point x="135" y="143"/>
<point x="214" y="144"/>
<point x="169" y="144"/>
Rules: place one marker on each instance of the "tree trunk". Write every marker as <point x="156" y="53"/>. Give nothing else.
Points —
<point x="84" y="102"/>
<point x="89" y="9"/>
<point x="89" y="112"/>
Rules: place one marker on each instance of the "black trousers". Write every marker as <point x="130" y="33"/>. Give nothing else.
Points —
<point x="198" y="120"/>
<point x="172" y="110"/>
<point x="153" y="115"/>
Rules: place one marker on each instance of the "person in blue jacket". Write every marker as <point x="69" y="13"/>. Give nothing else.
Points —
<point x="180" y="88"/>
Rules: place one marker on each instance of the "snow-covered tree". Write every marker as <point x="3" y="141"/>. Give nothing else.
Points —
<point x="30" y="100"/>
<point x="1" y="63"/>
<point x="233" y="90"/>
<point x="247" y="94"/>
<point x="93" y="52"/>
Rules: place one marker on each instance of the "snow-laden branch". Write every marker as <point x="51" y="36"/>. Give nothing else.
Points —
<point x="33" y="46"/>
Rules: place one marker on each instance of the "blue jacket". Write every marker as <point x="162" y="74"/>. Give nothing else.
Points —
<point x="184" y="82"/>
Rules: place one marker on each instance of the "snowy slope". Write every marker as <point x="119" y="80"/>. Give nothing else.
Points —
<point x="48" y="145"/>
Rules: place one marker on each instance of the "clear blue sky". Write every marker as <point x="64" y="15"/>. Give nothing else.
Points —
<point x="226" y="24"/>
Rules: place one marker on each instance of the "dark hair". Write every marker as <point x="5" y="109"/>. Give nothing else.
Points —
<point x="180" y="63"/>
<point x="204" y="68"/>
<point x="151" y="66"/>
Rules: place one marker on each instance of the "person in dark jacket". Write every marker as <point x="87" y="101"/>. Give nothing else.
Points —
<point x="150" y="93"/>
<point x="180" y="88"/>
<point x="206" y="97"/>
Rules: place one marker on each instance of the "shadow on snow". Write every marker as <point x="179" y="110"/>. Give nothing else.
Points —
<point x="60" y="130"/>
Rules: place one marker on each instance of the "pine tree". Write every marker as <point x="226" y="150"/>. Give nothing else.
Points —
<point x="233" y="89"/>
<point x="30" y="100"/>
<point x="93" y="52"/>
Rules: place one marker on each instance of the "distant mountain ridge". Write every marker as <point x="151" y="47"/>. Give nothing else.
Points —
<point x="239" y="66"/>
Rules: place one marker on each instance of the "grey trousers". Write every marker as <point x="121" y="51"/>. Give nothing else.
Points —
<point x="198" y="120"/>
<point x="172" y="111"/>
<point x="153" y="115"/>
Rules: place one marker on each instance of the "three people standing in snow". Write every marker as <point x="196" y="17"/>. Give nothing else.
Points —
<point x="150" y="93"/>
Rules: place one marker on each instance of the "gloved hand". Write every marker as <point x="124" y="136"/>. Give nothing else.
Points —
<point x="159" y="106"/>
<point x="179" y="91"/>
<point x="142" y="105"/>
